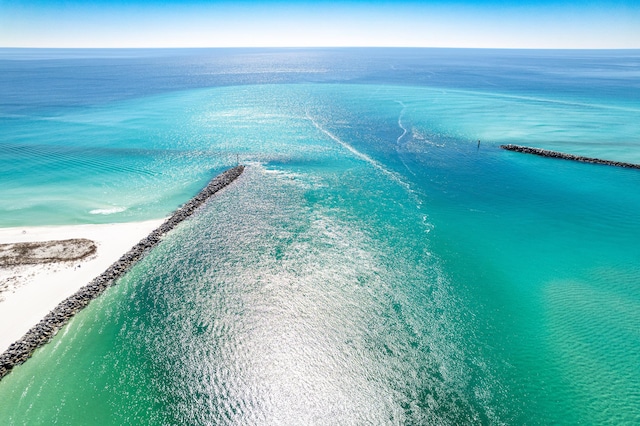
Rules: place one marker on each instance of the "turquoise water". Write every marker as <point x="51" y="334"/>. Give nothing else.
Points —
<point x="371" y="266"/>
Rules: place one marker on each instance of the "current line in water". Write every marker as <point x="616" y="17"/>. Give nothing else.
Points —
<point x="404" y="133"/>
<point x="404" y="129"/>
<point x="393" y="175"/>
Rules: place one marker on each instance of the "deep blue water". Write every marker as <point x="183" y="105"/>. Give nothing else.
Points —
<point x="372" y="265"/>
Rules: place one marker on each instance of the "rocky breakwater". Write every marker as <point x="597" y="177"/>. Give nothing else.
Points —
<point x="563" y="156"/>
<point x="42" y="332"/>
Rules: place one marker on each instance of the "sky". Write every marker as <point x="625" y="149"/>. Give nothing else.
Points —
<point x="559" y="24"/>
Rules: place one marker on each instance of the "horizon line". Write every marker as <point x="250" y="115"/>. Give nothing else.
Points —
<point x="309" y="47"/>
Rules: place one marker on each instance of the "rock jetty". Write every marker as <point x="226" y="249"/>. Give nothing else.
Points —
<point x="562" y="155"/>
<point x="42" y="332"/>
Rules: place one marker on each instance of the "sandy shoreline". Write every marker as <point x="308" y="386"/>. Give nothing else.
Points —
<point x="29" y="292"/>
<point x="63" y="292"/>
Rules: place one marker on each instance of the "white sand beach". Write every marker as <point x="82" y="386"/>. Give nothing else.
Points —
<point x="29" y="292"/>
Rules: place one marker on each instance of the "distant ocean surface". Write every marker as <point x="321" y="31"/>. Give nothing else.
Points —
<point x="373" y="265"/>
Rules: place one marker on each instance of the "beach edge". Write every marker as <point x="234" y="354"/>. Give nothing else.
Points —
<point x="40" y="334"/>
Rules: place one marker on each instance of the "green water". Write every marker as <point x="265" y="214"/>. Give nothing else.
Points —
<point x="371" y="266"/>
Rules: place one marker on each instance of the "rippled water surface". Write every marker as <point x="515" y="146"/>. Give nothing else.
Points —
<point x="373" y="265"/>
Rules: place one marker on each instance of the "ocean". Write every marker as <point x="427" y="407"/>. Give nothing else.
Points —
<point x="380" y="261"/>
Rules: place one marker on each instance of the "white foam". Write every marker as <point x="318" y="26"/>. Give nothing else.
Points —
<point x="111" y="210"/>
